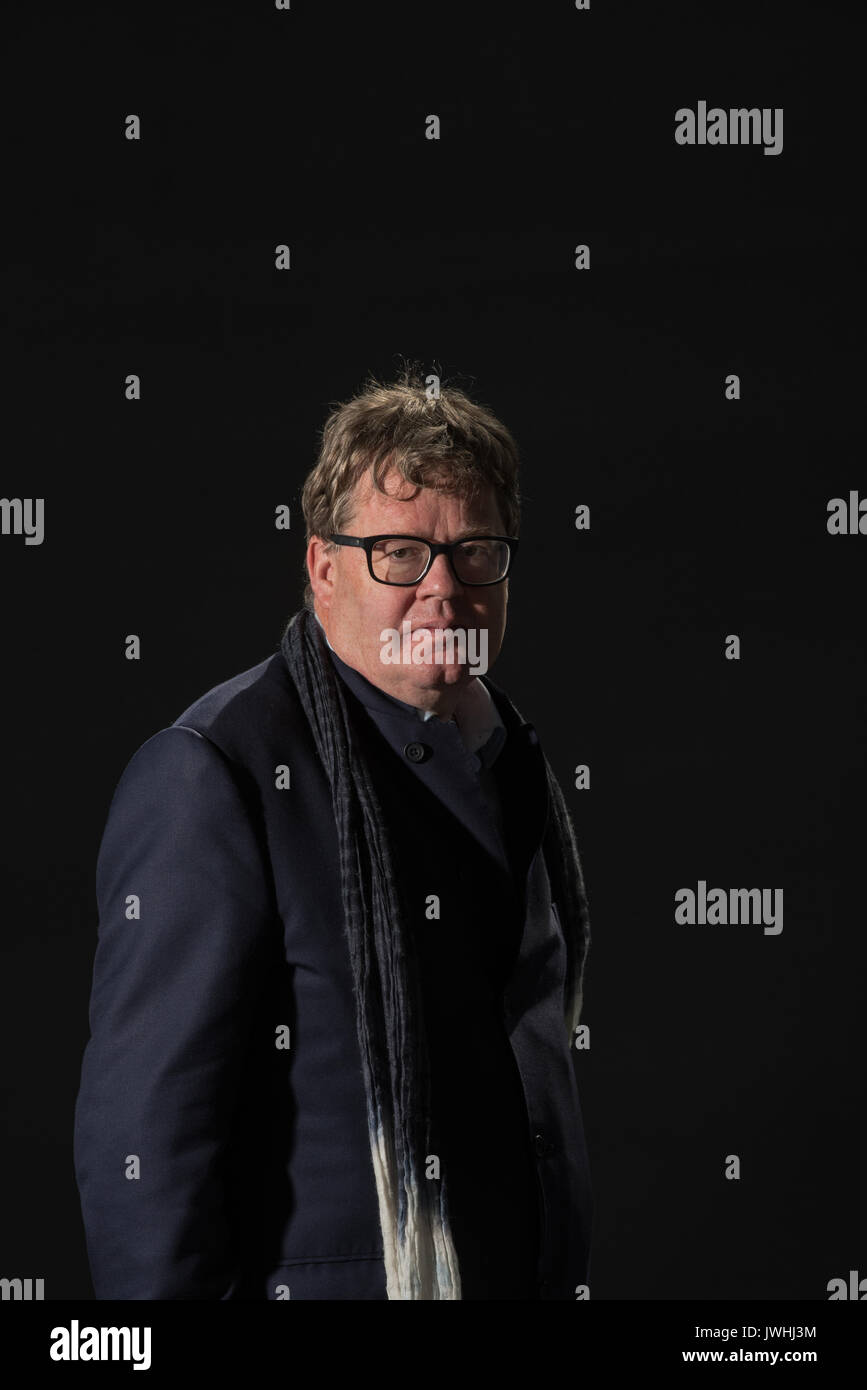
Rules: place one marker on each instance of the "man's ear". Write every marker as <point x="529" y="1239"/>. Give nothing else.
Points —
<point x="320" y="566"/>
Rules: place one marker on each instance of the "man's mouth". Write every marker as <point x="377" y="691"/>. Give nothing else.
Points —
<point x="437" y="627"/>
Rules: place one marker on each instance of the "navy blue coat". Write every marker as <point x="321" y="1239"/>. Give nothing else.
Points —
<point x="213" y="1164"/>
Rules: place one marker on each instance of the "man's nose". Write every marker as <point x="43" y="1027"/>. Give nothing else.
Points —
<point x="440" y="580"/>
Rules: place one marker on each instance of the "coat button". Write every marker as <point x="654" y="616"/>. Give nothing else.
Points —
<point x="416" y="752"/>
<point x="543" y="1146"/>
<point x="544" y="1288"/>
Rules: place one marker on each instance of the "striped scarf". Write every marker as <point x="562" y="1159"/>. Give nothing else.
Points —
<point x="420" y="1257"/>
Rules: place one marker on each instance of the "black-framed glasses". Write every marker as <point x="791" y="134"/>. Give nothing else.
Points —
<point x="475" y="560"/>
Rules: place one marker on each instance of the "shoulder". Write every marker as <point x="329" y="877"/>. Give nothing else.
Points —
<point x="238" y="727"/>
<point x="264" y="691"/>
<point x="252" y="713"/>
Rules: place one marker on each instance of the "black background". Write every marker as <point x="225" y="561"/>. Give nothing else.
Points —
<point x="708" y="517"/>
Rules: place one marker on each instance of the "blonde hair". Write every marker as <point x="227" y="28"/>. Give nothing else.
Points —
<point x="448" y="443"/>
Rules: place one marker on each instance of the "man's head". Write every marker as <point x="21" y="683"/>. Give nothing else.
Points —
<point x="394" y="461"/>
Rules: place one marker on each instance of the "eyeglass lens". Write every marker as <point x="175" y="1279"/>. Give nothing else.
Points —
<point x="399" y="561"/>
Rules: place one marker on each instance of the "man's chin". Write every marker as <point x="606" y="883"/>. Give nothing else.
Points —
<point x="435" y="674"/>
<point x="442" y="675"/>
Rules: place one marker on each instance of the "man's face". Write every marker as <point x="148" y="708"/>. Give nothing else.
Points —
<point x="355" y="610"/>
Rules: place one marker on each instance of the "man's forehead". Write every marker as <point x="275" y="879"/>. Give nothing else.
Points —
<point x="403" y="500"/>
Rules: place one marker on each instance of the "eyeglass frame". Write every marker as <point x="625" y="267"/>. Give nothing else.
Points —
<point x="366" y="543"/>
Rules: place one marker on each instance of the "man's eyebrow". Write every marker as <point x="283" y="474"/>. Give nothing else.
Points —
<point x="469" y="531"/>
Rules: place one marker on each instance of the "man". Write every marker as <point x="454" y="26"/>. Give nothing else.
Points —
<point x="343" y="926"/>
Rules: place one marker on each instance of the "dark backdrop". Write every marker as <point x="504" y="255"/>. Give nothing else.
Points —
<point x="708" y="517"/>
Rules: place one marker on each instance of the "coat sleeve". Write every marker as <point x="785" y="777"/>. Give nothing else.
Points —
<point x="185" y="912"/>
